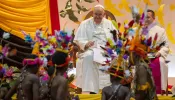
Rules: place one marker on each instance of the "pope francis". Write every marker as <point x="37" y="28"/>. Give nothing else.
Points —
<point x="91" y="34"/>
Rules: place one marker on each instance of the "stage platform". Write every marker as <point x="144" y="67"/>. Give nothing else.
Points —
<point x="98" y="97"/>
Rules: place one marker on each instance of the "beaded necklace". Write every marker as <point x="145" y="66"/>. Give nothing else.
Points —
<point x="41" y="85"/>
<point x="50" y="83"/>
<point x="21" y="78"/>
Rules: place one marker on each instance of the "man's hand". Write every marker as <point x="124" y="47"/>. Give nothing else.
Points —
<point x="89" y="44"/>
<point x="157" y="54"/>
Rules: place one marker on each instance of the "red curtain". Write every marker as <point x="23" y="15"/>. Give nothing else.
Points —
<point x="54" y="15"/>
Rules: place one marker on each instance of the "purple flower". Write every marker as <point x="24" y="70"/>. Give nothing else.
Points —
<point x="145" y="30"/>
<point x="110" y="52"/>
<point x="68" y="39"/>
<point x="142" y="18"/>
<point x="125" y="56"/>
<point x="149" y="41"/>
<point x="3" y="71"/>
<point x="119" y="44"/>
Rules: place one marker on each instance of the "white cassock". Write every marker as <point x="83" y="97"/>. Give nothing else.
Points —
<point x="88" y="76"/>
<point x="173" y="90"/>
<point x="163" y="51"/>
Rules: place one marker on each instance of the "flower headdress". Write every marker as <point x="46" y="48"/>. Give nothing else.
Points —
<point x="117" y="51"/>
<point x="36" y="61"/>
<point x="40" y="43"/>
<point x="50" y="63"/>
<point x="126" y="43"/>
<point x="63" y="40"/>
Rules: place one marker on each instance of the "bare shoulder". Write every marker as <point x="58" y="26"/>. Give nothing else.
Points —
<point x="61" y="79"/>
<point x="125" y="89"/>
<point x="33" y="77"/>
<point x="105" y="88"/>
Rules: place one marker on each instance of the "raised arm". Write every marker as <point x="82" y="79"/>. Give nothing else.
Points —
<point x="35" y="87"/>
<point x="12" y="91"/>
<point x="128" y="94"/>
<point x="103" y="95"/>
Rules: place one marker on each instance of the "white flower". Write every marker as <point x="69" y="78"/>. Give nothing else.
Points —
<point x="71" y="71"/>
<point x="127" y="73"/>
<point x="6" y="35"/>
<point x="135" y="10"/>
<point x="45" y="61"/>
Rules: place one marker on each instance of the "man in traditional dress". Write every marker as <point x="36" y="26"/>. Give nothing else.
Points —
<point x="116" y="91"/>
<point x="58" y="85"/>
<point x="27" y="85"/>
<point x="158" y="65"/>
<point x="92" y="33"/>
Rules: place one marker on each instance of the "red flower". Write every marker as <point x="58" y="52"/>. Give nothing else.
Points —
<point x="131" y="23"/>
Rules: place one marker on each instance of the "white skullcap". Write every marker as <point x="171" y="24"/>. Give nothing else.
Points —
<point x="99" y="6"/>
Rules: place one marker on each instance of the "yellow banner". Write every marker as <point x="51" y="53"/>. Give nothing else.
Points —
<point x="27" y="15"/>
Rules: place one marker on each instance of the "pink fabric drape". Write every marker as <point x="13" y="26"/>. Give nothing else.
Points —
<point x="155" y="66"/>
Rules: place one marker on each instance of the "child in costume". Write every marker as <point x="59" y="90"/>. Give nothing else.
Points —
<point x="116" y="91"/>
<point x="27" y="85"/>
<point x="58" y="84"/>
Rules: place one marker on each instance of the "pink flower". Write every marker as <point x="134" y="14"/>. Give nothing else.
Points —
<point x="65" y="75"/>
<point x="45" y="77"/>
<point x="9" y="72"/>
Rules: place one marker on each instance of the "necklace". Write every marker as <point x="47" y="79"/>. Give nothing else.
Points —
<point x="50" y="83"/>
<point x="41" y="86"/>
<point x="21" y="78"/>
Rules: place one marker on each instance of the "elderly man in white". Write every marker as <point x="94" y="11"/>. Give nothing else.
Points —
<point x="91" y="34"/>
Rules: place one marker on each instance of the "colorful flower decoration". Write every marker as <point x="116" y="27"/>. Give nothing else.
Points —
<point x="35" y="61"/>
<point x="63" y="39"/>
<point x="27" y="37"/>
<point x="131" y="40"/>
<point x="8" y="71"/>
<point x="44" y="75"/>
